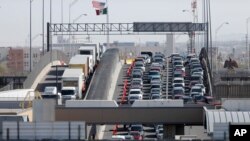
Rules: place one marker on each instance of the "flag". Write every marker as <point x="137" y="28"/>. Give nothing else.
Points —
<point x="98" y="5"/>
<point x="102" y="11"/>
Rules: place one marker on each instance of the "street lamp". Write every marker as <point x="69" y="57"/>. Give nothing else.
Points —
<point x="70" y="6"/>
<point x="77" y="18"/>
<point x="247" y="47"/>
<point x="191" y="14"/>
<point x="30" y="33"/>
<point x="216" y="31"/>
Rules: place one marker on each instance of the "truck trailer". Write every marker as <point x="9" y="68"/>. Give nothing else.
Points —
<point x="80" y="62"/>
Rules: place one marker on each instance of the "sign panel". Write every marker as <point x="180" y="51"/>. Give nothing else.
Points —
<point x="168" y="27"/>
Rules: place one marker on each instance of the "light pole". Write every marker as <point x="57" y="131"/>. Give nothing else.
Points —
<point x="194" y="19"/>
<point x="30" y="34"/>
<point x="247" y="46"/>
<point x="191" y="14"/>
<point x="216" y="32"/>
<point x="77" y="18"/>
<point x="43" y="27"/>
<point x="70" y="6"/>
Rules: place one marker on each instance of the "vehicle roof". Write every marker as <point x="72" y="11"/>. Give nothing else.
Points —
<point x="78" y="59"/>
<point x="178" y="78"/>
<point x="196" y="87"/>
<point x="179" y="66"/>
<point x="136" y="79"/>
<point x="72" y="73"/>
<point x="178" y="88"/>
<point x="194" y="59"/>
<point x="135" y="95"/>
<point x="135" y="90"/>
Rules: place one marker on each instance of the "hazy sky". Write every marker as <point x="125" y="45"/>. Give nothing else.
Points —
<point x="14" y="15"/>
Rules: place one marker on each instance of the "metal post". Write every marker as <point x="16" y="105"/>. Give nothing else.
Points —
<point x="43" y="27"/>
<point x="247" y="46"/>
<point x="48" y="37"/>
<point x="107" y="24"/>
<point x="216" y="31"/>
<point x="30" y="34"/>
<point x="8" y="134"/>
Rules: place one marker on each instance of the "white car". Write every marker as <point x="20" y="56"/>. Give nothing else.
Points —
<point x="133" y="97"/>
<point x="139" y="80"/>
<point x="178" y="80"/>
<point x="135" y="91"/>
<point x="197" y="89"/>
<point x="202" y="87"/>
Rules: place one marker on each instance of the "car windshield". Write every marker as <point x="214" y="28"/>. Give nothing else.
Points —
<point x="178" y="81"/>
<point x="177" y="63"/>
<point x="154" y="73"/>
<point x="158" y="60"/>
<point x="155" y="97"/>
<point x="134" y="92"/>
<point x="156" y="86"/>
<point x="67" y="92"/>
<point x="195" y="78"/>
<point x="135" y="133"/>
<point x="136" y="76"/>
<point x="196" y="90"/>
<point x="135" y="83"/>
<point x="136" y="128"/>
<point x="178" y="92"/>
<point x="138" y="65"/>
<point x="155" y="91"/>
<point x="133" y="97"/>
<point x="178" y="85"/>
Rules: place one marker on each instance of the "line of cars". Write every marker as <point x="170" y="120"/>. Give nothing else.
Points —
<point x="146" y="83"/>
<point x="187" y="78"/>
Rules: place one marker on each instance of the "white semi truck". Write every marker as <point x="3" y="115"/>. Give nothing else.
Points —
<point x="91" y="49"/>
<point x="72" y="84"/>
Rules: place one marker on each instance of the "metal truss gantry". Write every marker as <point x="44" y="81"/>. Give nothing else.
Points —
<point x="141" y="28"/>
<point x="125" y="28"/>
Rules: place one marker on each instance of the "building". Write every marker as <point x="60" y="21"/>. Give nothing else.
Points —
<point x="15" y="59"/>
<point x="35" y="58"/>
<point x="19" y="59"/>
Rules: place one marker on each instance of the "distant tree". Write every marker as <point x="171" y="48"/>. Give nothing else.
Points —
<point x="2" y="69"/>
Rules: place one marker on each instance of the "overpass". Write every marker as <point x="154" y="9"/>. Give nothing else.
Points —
<point x="187" y="115"/>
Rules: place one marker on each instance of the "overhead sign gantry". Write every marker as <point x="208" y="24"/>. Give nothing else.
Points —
<point x="144" y="28"/>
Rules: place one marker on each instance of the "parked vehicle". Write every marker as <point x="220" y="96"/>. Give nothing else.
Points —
<point x="50" y="92"/>
<point x="140" y="64"/>
<point x="155" y="74"/>
<point x="136" y="128"/>
<point x="133" y="97"/>
<point x="197" y="89"/>
<point x="202" y="87"/>
<point x="178" y="91"/>
<point x="178" y="80"/>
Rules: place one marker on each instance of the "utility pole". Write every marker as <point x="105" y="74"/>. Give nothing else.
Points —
<point x="247" y="46"/>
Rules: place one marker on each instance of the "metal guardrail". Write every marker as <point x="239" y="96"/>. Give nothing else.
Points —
<point x="44" y="61"/>
<point x="7" y="87"/>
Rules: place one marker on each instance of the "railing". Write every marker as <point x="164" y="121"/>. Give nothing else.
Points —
<point x="7" y="87"/>
<point x="44" y="61"/>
